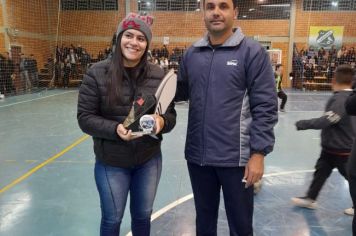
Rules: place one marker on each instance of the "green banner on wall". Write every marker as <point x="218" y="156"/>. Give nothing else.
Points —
<point x="325" y="36"/>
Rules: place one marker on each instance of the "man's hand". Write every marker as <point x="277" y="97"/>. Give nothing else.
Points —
<point x="254" y="169"/>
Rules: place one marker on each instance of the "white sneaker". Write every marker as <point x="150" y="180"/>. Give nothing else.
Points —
<point x="2" y="96"/>
<point x="349" y="211"/>
<point x="304" y="202"/>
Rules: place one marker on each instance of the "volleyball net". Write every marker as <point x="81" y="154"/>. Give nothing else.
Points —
<point x="51" y="44"/>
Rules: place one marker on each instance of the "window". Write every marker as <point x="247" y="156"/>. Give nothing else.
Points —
<point x="177" y="5"/>
<point x="194" y="5"/>
<point x="345" y="5"/>
<point x="82" y="5"/>
<point x="68" y="5"/>
<point x="110" y="5"/>
<point x="324" y="4"/>
<point x="248" y="9"/>
<point x="271" y="9"/>
<point x="329" y="5"/>
<point x="168" y="5"/>
<point x="98" y="5"/>
<point x="162" y="5"/>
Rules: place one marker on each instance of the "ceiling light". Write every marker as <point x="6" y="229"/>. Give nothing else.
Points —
<point x="334" y="4"/>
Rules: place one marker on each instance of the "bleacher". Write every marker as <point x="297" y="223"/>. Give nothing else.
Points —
<point x="48" y="79"/>
<point x="315" y="70"/>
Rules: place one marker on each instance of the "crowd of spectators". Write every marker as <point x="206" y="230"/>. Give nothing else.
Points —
<point x="68" y="63"/>
<point x="166" y="60"/>
<point x="7" y="69"/>
<point x="18" y="76"/>
<point x="311" y="63"/>
<point x="72" y="62"/>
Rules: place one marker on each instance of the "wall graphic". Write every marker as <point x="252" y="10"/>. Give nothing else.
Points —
<point x="325" y="36"/>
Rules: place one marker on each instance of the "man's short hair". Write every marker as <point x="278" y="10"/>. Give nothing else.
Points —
<point x="344" y="74"/>
<point x="234" y="2"/>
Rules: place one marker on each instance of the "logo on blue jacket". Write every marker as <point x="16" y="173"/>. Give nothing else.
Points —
<point x="232" y="63"/>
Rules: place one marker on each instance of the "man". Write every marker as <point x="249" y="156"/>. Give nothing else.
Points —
<point x="24" y="68"/>
<point x="278" y="75"/>
<point x="73" y="59"/>
<point x="2" y="76"/>
<point x="229" y="82"/>
<point x="85" y="60"/>
<point x="9" y="73"/>
<point x="33" y="70"/>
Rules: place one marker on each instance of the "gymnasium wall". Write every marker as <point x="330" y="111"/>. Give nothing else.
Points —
<point x="2" y="31"/>
<point x="38" y="22"/>
<point x="30" y="18"/>
<point x="91" y="29"/>
<point x="305" y="19"/>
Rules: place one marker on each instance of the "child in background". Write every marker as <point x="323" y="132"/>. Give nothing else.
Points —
<point x="337" y="135"/>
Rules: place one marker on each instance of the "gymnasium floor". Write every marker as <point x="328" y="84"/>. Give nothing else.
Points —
<point x="47" y="186"/>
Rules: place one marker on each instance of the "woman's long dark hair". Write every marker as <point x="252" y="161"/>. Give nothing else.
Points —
<point x="117" y="72"/>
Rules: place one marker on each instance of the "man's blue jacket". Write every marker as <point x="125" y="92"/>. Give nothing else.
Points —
<point x="232" y="101"/>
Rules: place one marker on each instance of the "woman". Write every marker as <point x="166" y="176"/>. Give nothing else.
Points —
<point x="124" y="162"/>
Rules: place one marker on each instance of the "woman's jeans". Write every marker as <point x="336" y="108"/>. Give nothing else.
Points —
<point x="114" y="184"/>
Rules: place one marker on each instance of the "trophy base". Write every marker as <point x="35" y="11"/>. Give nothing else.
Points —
<point x="140" y="133"/>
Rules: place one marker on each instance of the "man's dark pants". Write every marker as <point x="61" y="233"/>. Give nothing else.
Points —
<point x="206" y="183"/>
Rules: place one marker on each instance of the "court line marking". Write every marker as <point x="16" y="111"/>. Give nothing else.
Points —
<point x="185" y="108"/>
<point x="51" y="159"/>
<point x="165" y="209"/>
<point x="57" y="161"/>
<point x="300" y="112"/>
<point x="306" y="101"/>
<point x="310" y="93"/>
<point x="34" y="99"/>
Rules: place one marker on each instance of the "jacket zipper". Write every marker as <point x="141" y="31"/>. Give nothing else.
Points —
<point x="206" y="96"/>
<point x="133" y="87"/>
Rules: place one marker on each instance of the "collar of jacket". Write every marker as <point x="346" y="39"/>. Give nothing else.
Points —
<point x="234" y="40"/>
